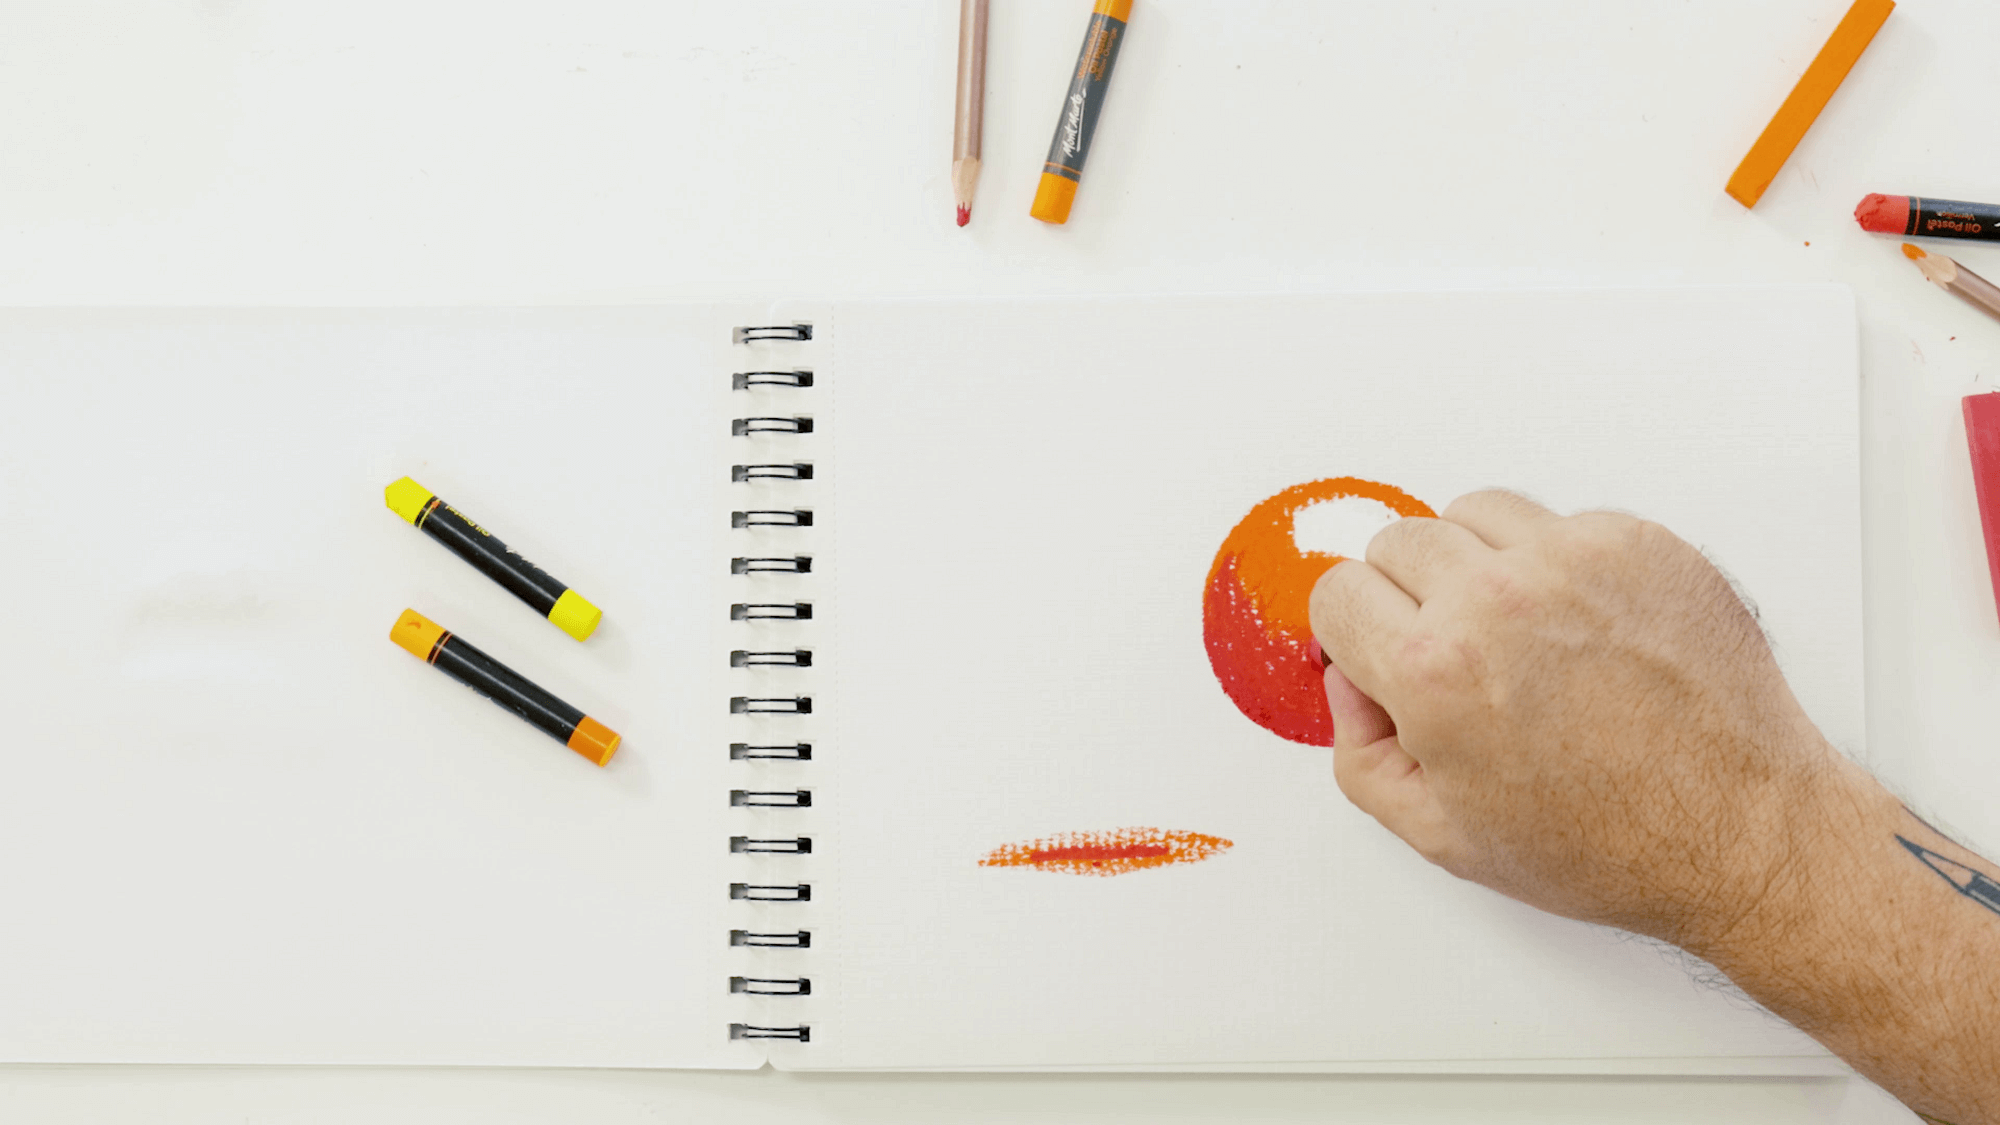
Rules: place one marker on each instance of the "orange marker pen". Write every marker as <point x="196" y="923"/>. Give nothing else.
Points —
<point x="1081" y="105"/>
<point x="429" y="642"/>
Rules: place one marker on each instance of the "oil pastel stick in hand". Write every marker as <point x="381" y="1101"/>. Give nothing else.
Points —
<point x="565" y="608"/>
<point x="1914" y="216"/>
<point x="434" y="645"/>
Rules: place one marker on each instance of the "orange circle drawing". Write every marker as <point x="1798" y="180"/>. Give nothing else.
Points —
<point x="1253" y="609"/>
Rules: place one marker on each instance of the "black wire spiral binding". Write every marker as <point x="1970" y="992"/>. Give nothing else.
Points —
<point x="797" y="939"/>
<point x="797" y="424"/>
<point x="797" y="658"/>
<point x="778" y="705"/>
<point x="797" y="564"/>
<point x="771" y="611"/>
<point x="798" y="470"/>
<point x="754" y="892"/>
<point x="772" y="517"/>
<point x="789" y="752"/>
<point x="771" y="986"/>
<point x="744" y="380"/>
<point x="797" y="845"/>
<point x="751" y="1031"/>
<point x="771" y="798"/>
<point x="799" y="332"/>
<point x="787" y="423"/>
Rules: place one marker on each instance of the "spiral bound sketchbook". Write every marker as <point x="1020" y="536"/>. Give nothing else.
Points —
<point x="956" y="646"/>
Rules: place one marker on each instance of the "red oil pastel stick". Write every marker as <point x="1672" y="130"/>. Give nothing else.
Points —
<point x="1982" y="434"/>
<point x="1915" y="216"/>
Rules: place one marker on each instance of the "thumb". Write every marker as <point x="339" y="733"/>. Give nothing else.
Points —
<point x="1376" y="773"/>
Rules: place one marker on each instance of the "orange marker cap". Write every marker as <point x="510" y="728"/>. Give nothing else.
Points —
<point x="594" y="740"/>
<point x="417" y="634"/>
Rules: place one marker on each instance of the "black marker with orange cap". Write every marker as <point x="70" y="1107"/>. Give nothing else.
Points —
<point x="431" y="643"/>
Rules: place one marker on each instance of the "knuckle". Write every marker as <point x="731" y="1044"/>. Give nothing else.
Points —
<point x="1655" y="537"/>
<point x="1680" y="562"/>
<point x="1486" y="499"/>
<point x="1331" y="594"/>
<point x="1594" y="539"/>
<point x="1433" y="663"/>
<point x="1402" y="529"/>
<point x="1402" y="539"/>
<point x="1503" y="593"/>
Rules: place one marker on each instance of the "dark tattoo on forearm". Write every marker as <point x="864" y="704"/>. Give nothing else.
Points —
<point x="1975" y="885"/>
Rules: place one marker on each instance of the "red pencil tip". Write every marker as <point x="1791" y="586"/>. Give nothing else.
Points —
<point x="964" y="214"/>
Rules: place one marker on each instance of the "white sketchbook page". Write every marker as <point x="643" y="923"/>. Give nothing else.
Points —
<point x="1031" y="495"/>
<point x="238" y="824"/>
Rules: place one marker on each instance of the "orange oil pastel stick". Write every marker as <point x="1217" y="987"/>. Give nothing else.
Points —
<point x="1815" y="88"/>
<point x="434" y="645"/>
<point x="1081" y="105"/>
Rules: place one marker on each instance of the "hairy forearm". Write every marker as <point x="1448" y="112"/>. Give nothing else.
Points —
<point x="1579" y="712"/>
<point x="1880" y="937"/>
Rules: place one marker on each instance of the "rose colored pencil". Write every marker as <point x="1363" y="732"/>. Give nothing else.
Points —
<point x="1955" y="279"/>
<point x="969" y="118"/>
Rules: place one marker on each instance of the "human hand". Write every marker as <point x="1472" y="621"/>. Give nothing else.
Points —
<point x="1578" y="712"/>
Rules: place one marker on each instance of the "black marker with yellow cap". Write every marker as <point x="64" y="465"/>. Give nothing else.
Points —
<point x="566" y="608"/>
<point x="431" y="643"/>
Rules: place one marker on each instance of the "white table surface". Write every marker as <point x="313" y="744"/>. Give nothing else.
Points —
<point x="254" y="152"/>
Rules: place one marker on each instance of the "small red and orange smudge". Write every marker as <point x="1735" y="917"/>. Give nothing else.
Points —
<point x="1117" y="851"/>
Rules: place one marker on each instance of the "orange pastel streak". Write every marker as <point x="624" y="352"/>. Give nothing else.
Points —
<point x="1114" y="852"/>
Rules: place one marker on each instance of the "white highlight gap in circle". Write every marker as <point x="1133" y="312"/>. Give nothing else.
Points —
<point x="1341" y="526"/>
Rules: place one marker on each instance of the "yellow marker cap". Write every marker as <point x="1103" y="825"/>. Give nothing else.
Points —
<point x="1053" y="198"/>
<point x="407" y="498"/>
<point x="594" y="740"/>
<point x="417" y="634"/>
<point x="574" y="614"/>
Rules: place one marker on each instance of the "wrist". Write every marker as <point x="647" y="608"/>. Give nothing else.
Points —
<point x="1793" y="927"/>
<point x="1797" y="867"/>
<point x="1851" y="937"/>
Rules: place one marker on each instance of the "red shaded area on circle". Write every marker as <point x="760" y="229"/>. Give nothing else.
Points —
<point x="1270" y="679"/>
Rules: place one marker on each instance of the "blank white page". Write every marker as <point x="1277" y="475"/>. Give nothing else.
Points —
<point x="1029" y="496"/>
<point x="238" y="824"/>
